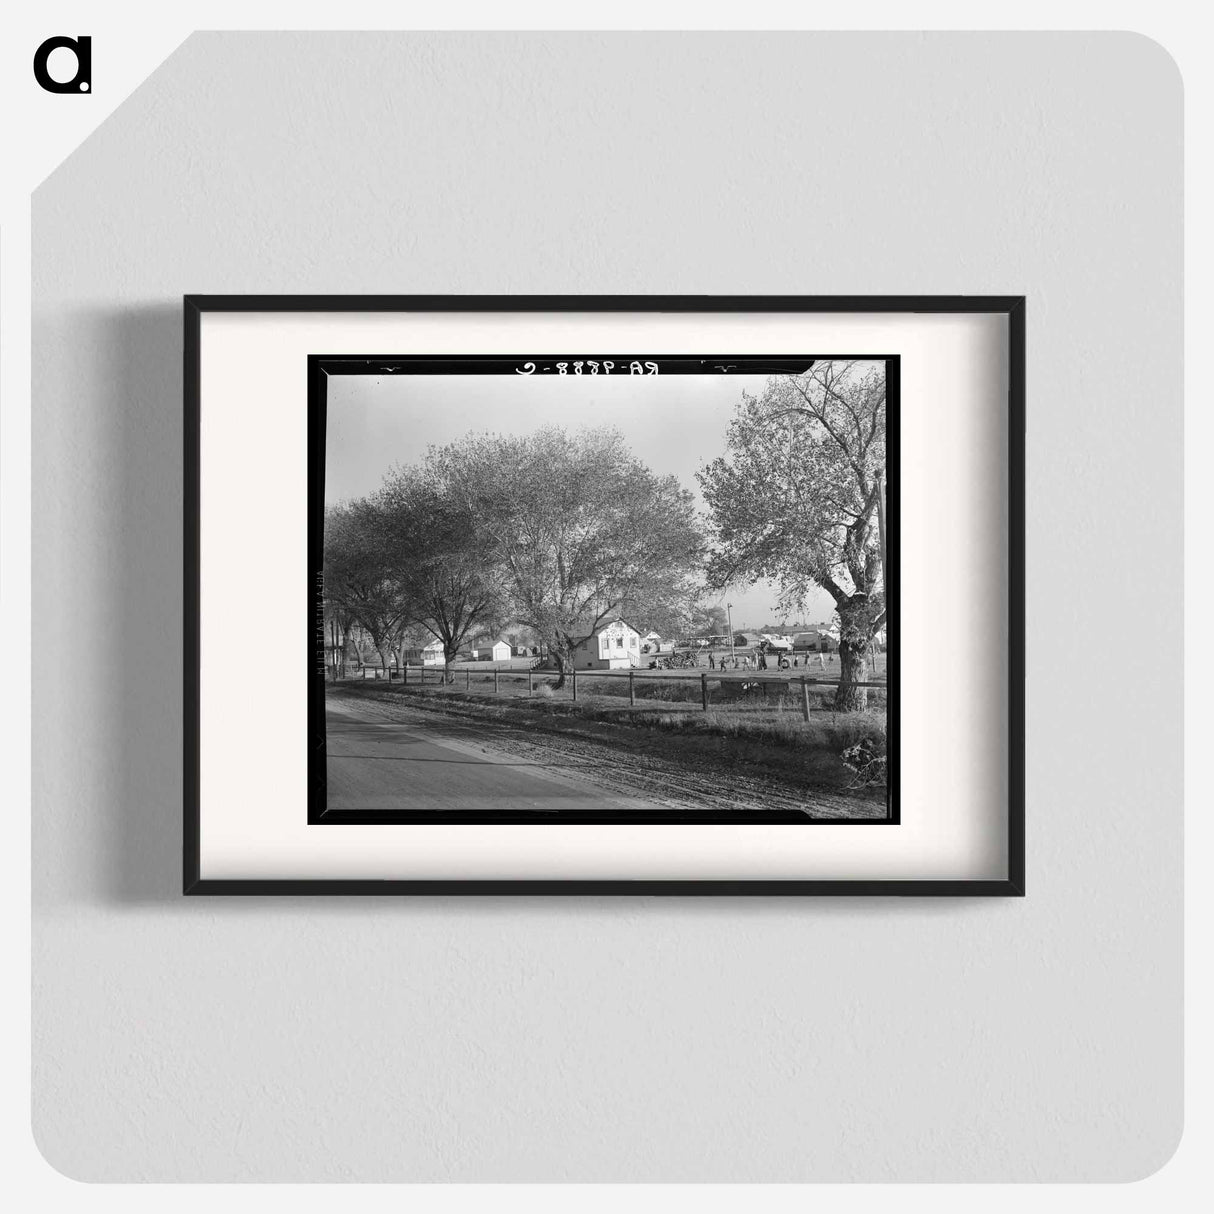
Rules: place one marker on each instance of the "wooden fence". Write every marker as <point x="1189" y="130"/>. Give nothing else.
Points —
<point x="740" y="683"/>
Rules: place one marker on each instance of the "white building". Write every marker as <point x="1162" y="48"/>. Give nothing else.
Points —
<point x="653" y="641"/>
<point x="615" y="646"/>
<point x="428" y="655"/>
<point x="498" y="651"/>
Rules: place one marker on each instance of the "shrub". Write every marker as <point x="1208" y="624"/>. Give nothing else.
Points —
<point x="867" y="760"/>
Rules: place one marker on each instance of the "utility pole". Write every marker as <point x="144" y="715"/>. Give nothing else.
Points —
<point x="729" y="616"/>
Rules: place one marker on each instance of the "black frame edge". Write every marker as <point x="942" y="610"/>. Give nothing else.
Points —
<point x="1017" y="670"/>
<point x="606" y="303"/>
<point x="1012" y="305"/>
<point x="191" y="586"/>
<point x="611" y="886"/>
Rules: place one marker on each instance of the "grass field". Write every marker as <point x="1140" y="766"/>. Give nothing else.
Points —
<point x="722" y="744"/>
<point x="761" y="712"/>
<point x="688" y="759"/>
<point x="766" y="726"/>
<point x="736" y="691"/>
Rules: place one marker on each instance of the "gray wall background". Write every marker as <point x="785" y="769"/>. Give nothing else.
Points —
<point x="626" y="1039"/>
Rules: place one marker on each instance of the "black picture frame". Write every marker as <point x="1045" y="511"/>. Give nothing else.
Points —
<point x="1011" y="307"/>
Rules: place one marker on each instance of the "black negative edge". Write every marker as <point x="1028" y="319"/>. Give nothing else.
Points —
<point x="318" y="734"/>
<point x="577" y="817"/>
<point x="321" y="366"/>
<point x="892" y="578"/>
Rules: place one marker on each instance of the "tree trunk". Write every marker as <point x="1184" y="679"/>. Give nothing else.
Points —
<point x="559" y="659"/>
<point x="855" y="634"/>
<point x="849" y="697"/>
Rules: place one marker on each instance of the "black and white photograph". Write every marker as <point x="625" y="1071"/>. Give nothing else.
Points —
<point x="603" y="588"/>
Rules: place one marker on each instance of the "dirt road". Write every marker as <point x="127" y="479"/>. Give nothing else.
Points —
<point x="392" y="755"/>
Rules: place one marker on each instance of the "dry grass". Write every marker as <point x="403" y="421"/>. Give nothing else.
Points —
<point x="769" y="733"/>
<point x="775" y="721"/>
<point x="835" y="732"/>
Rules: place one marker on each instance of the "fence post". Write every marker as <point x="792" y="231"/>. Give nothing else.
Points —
<point x="423" y="674"/>
<point x="573" y="681"/>
<point x="404" y="673"/>
<point x="804" y="698"/>
<point x="704" y="690"/>
<point x="632" y="688"/>
<point x="495" y="681"/>
<point x="530" y="681"/>
<point x="467" y="678"/>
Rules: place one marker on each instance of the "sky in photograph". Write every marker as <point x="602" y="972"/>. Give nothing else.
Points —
<point x="674" y="424"/>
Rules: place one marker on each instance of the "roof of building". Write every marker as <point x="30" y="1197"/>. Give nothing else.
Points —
<point x="607" y="624"/>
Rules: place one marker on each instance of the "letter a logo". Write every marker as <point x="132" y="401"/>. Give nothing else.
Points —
<point x="82" y="81"/>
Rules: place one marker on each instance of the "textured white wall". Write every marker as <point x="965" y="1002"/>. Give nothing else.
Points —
<point x="626" y="1039"/>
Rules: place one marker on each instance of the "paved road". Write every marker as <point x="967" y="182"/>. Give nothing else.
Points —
<point x="382" y="765"/>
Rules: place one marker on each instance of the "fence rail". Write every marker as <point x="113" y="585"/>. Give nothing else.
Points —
<point x="761" y="679"/>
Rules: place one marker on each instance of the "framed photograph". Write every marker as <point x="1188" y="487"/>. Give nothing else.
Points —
<point x="682" y="595"/>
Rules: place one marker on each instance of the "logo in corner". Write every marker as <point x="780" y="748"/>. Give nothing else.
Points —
<point x="82" y="48"/>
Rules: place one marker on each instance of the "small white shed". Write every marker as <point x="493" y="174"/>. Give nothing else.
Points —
<point x="498" y="651"/>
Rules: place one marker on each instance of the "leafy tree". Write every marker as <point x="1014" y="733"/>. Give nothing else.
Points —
<point x="795" y="499"/>
<point x="714" y="622"/>
<point x="679" y="617"/>
<point x="428" y="545"/>
<point x="581" y="529"/>
<point x="356" y="583"/>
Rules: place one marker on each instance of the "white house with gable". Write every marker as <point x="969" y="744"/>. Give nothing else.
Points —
<point x="615" y="646"/>
<point x="428" y="655"/>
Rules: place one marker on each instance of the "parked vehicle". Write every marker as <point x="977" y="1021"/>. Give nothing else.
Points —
<point x="771" y="644"/>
